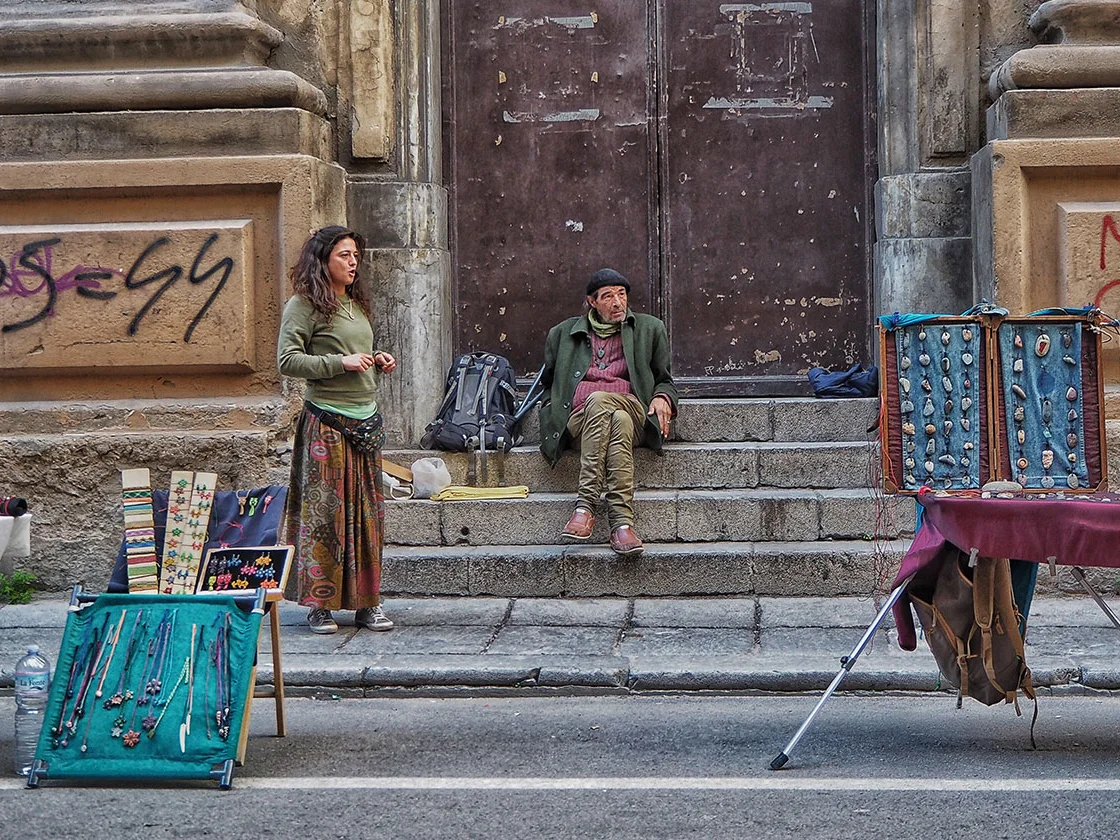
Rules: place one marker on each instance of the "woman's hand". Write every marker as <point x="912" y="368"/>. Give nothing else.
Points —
<point x="358" y="362"/>
<point x="384" y="361"/>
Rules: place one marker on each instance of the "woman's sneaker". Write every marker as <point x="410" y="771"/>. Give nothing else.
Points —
<point x="372" y="618"/>
<point x="320" y="621"/>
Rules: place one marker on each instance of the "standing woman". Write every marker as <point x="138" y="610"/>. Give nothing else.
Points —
<point x="335" y="509"/>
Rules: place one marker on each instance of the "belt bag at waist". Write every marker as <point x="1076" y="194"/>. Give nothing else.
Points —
<point x="367" y="436"/>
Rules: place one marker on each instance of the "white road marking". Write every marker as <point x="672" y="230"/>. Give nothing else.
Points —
<point x="777" y="782"/>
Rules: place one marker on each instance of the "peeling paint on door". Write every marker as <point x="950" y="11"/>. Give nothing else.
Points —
<point x="718" y="154"/>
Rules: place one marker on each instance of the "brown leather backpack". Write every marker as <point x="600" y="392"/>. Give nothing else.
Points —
<point x="972" y="625"/>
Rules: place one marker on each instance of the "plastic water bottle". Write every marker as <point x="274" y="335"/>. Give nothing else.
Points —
<point x="33" y="683"/>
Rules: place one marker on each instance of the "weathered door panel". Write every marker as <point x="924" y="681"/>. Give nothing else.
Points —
<point x="765" y="194"/>
<point x="550" y="164"/>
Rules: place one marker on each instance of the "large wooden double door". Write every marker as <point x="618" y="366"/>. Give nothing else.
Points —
<point x="720" y="155"/>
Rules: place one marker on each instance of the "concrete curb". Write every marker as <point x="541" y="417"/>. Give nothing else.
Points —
<point x="618" y="645"/>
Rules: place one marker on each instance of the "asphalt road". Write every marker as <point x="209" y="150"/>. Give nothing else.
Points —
<point x="622" y="767"/>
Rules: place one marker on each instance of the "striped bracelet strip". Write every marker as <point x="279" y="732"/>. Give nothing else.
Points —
<point x="178" y="511"/>
<point x="194" y="536"/>
<point x="139" y="531"/>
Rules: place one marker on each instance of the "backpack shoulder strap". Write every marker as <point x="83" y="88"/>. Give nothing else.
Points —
<point x="983" y="606"/>
<point x="995" y="613"/>
<point x="460" y="386"/>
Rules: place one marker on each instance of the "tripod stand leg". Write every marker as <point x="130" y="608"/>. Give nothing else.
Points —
<point x="846" y="664"/>
<point x="1080" y="575"/>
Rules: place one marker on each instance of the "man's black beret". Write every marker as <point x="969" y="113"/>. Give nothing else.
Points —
<point x="606" y="277"/>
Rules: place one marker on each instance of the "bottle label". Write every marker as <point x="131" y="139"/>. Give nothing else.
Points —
<point x="33" y="682"/>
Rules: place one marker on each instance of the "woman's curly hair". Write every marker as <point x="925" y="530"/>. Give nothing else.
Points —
<point x="309" y="275"/>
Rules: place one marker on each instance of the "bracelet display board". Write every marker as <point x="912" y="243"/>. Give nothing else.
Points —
<point x="970" y="399"/>
<point x="935" y="393"/>
<point x="151" y="687"/>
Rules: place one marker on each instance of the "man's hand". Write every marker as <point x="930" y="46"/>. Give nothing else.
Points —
<point x="661" y="407"/>
<point x="384" y="361"/>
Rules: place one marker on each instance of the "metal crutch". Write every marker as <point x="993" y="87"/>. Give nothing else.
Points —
<point x="846" y="663"/>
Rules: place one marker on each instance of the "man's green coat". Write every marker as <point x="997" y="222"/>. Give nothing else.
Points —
<point x="567" y="355"/>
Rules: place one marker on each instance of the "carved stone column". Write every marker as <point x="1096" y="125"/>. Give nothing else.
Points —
<point x="928" y="114"/>
<point x="1045" y="187"/>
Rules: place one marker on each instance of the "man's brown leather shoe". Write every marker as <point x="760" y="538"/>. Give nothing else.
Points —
<point x="625" y="542"/>
<point x="580" y="525"/>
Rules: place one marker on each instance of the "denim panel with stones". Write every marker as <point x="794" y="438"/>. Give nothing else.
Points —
<point x="941" y="366"/>
<point x="1040" y="370"/>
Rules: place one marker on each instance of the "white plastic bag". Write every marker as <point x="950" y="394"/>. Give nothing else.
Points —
<point x="394" y="488"/>
<point x="429" y="476"/>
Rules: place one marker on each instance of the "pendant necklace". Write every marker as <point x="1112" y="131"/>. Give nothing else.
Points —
<point x="349" y="310"/>
<point x="600" y="345"/>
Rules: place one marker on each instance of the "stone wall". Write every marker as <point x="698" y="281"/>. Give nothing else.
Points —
<point x="157" y="178"/>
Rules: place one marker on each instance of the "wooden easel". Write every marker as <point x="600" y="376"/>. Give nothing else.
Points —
<point x="272" y="614"/>
<point x="281" y="565"/>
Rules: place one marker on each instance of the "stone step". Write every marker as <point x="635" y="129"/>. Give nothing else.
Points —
<point x="716" y="420"/>
<point x="822" y="569"/>
<point x="817" y="465"/>
<point x="662" y="516"/>
<point x="214" y="414"/>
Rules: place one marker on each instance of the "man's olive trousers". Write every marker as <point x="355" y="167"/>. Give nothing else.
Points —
<point x="606" y="430"/>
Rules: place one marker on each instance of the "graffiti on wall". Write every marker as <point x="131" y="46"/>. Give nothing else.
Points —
<point x="1110" y="234"/>
<point x="29" y="273"/>
<point x="133" y="292"/>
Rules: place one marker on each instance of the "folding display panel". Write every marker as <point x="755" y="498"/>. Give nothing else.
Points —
<point x="1048" y="418"/>
<point x="934" y="392"/>
<point x="149" y="687"/>
<point x="970" y="399"/>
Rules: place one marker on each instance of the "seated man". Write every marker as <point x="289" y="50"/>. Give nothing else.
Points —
<point x="609" y="386"/>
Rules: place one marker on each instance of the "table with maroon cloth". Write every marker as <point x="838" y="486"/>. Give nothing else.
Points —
<point x="1076" y="530"/>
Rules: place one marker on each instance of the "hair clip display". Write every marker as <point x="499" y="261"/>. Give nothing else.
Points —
<point x="940" y="432"/>
<point x="190" y="497"/>
<point x="139" y="530"/>
<point x="1043" y="403"/>
<point x="245" y="568"/>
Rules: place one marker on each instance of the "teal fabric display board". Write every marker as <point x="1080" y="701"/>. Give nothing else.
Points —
<point x="162" y="712"/>
<point x="934" y="431"/>
<point x="1043" y="395"/>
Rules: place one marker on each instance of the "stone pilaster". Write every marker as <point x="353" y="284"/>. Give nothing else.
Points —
<point x="397" y="199"/>
<point x="928" y="115"/>
<point x="1044" y="187"/>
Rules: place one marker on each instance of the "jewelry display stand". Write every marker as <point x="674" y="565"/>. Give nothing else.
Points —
<point x="1048" y="422"/>
<point x="935" y="399"/>
<point x="971" y="399"/>
<point x="247" y="570"/>
<point x="151" y="686"/>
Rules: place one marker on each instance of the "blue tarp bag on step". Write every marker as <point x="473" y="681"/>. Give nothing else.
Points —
<point x="853" y="382"/>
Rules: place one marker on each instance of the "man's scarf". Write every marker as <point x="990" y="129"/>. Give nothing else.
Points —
<point x="602" y="328"/>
